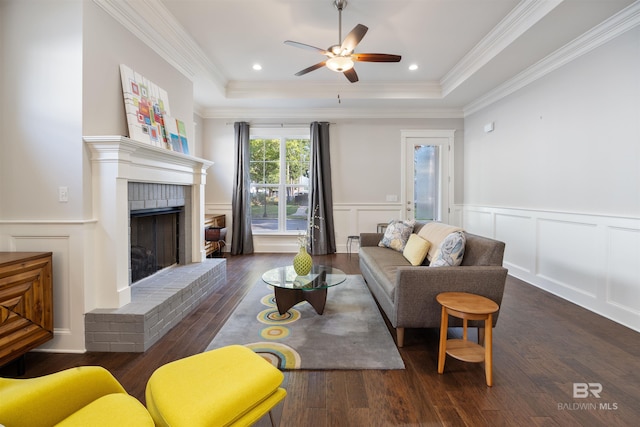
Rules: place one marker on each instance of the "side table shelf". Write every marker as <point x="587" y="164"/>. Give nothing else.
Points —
<point x="466" y="351"/>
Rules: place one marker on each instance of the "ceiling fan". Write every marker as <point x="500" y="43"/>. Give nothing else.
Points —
<point x="341" y="57"/>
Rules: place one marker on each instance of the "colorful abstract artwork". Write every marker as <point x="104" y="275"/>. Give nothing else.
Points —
<point x="146" y="106"/>
<point x="148" y="116"/>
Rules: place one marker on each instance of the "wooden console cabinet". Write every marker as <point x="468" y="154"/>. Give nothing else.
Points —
<point x="26" y="302"/>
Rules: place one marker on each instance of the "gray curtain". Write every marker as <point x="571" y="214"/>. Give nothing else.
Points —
<point x="323" y="240"/>
<point x="242" y="238"/>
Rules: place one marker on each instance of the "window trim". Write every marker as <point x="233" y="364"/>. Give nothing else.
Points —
<point x="282" y="134"/>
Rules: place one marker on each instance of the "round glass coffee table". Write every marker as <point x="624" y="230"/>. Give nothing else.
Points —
<point x="290" y="289"/>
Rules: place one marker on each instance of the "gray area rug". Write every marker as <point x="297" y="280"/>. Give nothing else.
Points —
<point x="351" y="333"/>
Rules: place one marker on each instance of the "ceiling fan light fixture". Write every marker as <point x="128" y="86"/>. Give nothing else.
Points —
<point x="340" y="64"/>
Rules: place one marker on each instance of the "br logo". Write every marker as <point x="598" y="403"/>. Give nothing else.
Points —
<point x="583" y="390"/>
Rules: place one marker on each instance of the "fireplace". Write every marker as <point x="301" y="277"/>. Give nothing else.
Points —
<point x="155" y="239"/>
<point x="130" y="176"/>
<point x="159" y="226"/>
<point x="116" y="163"/>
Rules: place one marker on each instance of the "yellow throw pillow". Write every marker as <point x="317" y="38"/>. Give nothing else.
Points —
<point x="416" y="249"/>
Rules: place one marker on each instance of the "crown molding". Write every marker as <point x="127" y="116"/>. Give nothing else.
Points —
<point x="363" y="90"/>
<point x="331" y="113"/>
<point x="154" y="25"/>
<point x="609" y="29"/>
<point x="524" y="16"/>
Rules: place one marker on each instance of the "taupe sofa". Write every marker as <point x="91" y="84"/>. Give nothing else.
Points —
<point x="407" y="294"/>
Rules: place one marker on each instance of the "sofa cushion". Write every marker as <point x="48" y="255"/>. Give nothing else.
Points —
<point x="435" y="233"/>
<point x="397" y="234"/>
<point x="451" y="251"/>
<point x="383" y="264"/>
<point x="416" y="249"/>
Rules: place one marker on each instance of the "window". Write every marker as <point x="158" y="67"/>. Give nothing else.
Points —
<point x="279" y="169"/>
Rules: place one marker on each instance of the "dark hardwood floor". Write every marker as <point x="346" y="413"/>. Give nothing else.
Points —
<point x="542" y="346"/>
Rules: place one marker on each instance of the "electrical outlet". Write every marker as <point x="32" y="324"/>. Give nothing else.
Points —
<point x="63" y="194"/>
<point x="392" y="198"/>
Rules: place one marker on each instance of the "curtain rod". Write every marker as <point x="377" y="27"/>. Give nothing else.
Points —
<point x="277" y="125"/>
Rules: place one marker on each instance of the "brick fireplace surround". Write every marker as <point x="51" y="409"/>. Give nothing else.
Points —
<point x="121" y="317"/>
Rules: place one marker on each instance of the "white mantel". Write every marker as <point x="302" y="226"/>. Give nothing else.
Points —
<point x="116" y="160"/>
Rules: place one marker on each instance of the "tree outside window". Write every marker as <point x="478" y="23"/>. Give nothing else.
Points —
<point x="279" y="174"/>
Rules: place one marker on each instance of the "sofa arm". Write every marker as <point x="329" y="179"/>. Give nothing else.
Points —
<point x="417" y="288"/>
<point x="370" y="239"/>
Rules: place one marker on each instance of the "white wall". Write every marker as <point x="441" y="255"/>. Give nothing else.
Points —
<point x="365" y="166"/>
<point x="41" y="109"/>
<point x="559" y="180"/>
<point x="41" y="148"/>
<point x="59" y="81"/>
<point x="107" y="45"/>
<point x="569" y="142"/>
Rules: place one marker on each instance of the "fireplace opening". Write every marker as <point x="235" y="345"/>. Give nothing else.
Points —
<point x="154" y="241"/>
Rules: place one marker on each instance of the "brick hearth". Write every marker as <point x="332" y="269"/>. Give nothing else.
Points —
<point x="157" y="304"/>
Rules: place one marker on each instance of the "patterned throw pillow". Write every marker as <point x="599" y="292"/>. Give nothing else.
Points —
<point x="451" y="251"/>
<point x="397" y="234"/>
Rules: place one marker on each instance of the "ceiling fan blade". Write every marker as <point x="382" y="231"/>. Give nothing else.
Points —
<point x="306" y="46"/>
<point x="310" y="69"/>
<point x="375" y="57"/>
<point x="351" y="75"/>
<point x="353" y="38"/>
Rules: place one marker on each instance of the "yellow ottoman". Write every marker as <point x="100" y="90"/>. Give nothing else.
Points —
<point x="229" y="386"/>
<point x="82" y="396"/>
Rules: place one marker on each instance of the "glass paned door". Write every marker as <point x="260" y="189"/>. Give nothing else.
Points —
<point x="428" y="165"/>
<point x="426" y="182"/>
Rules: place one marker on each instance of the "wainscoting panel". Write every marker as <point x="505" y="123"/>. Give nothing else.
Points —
<point x="342" y="225"/>
<point x="623" y="272"/>
<point x="563" y="262"/>
<point x="520" y="231"/>
<point x="66" y="241"/>
<point x="367" y="217"/>
<point x="478" y="220"/>
<point x="590" y="260"/>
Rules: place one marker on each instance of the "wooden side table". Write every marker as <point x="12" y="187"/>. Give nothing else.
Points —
<point x="467" y="307"/>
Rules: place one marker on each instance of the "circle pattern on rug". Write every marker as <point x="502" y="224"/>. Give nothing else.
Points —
<point x="275" y="332"/>
<point x="271" y="316"/>
<point x="279" y="355"/>
<point x="269" y="300"/>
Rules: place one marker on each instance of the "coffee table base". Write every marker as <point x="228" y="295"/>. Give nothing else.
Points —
<point x="287" y="298"/>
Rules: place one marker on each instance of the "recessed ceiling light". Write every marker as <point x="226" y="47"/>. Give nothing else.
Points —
<point x="257" y="67"/>
<point x="413" y="67"/>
